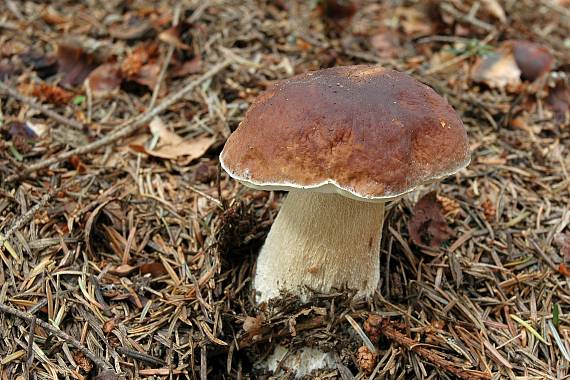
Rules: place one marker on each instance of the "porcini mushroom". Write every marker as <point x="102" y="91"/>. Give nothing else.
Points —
<point x="342" y="141"/>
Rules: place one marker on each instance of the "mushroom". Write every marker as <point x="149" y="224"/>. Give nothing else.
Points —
<point x="343" y="141"/>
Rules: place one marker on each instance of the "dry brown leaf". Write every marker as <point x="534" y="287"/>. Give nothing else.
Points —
<point x="105" y="79"/>
<point x="171" y="146"/>
<point x="172" y="36"/>
<point x="142" y="66"/>
<point x="182" y="69"/>
<point x="427" y="225"/>
<point x="497" y="70"/>
<point x="148" y="75"/>
<point x="74" y="63"/>
<point x="44" y="65"/>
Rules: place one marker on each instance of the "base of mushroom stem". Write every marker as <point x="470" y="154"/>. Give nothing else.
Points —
<point x="300" y="362"/>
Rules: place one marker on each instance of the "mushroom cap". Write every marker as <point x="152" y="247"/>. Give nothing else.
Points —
<point x="366" y="132"/>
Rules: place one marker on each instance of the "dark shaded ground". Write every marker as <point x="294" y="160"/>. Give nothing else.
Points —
<point x="139" y="248"/>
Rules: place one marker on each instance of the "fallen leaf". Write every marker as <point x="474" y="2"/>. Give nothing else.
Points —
<point x="44" y="65"/>
<point x="148" y="75"/>
<point x="427" y="225"/>
<point x="171" y="146"/>
<point x="533" y="60"/>
<point x="182" y="69"/>
<point x="142" y="66"/>
<point x="74" y="63"/>
<point x="173" y="36"/>
<point x="105" y="79"/>
<point x="497" y="70"/>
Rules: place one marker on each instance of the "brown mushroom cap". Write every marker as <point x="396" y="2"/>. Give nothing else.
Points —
<point x="363" y="131"/>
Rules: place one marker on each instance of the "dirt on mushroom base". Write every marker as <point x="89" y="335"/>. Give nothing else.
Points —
<point x="185" y="315"/>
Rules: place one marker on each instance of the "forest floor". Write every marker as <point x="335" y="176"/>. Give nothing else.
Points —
<point x="123" y="245"/>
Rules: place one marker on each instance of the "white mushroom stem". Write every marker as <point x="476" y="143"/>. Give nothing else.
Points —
<point x="321" y="241"/>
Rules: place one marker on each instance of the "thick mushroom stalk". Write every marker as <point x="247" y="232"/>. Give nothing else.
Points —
<point x="321" y="241"/>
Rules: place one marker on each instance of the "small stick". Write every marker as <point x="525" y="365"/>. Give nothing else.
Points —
<point x="30" y="353"/>
<point x="46" y="111"/>
<point x="126" y="128"/>
<point x="203" y="363"/>
<point x="389" y="331"/>
<point x="140" y="356"/>
<point x="57" y="332"/>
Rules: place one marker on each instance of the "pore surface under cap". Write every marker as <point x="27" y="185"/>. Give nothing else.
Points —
<point x="372" y="132"/>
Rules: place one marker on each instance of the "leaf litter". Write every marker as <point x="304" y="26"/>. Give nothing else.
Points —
<point x="146" y="260"/>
